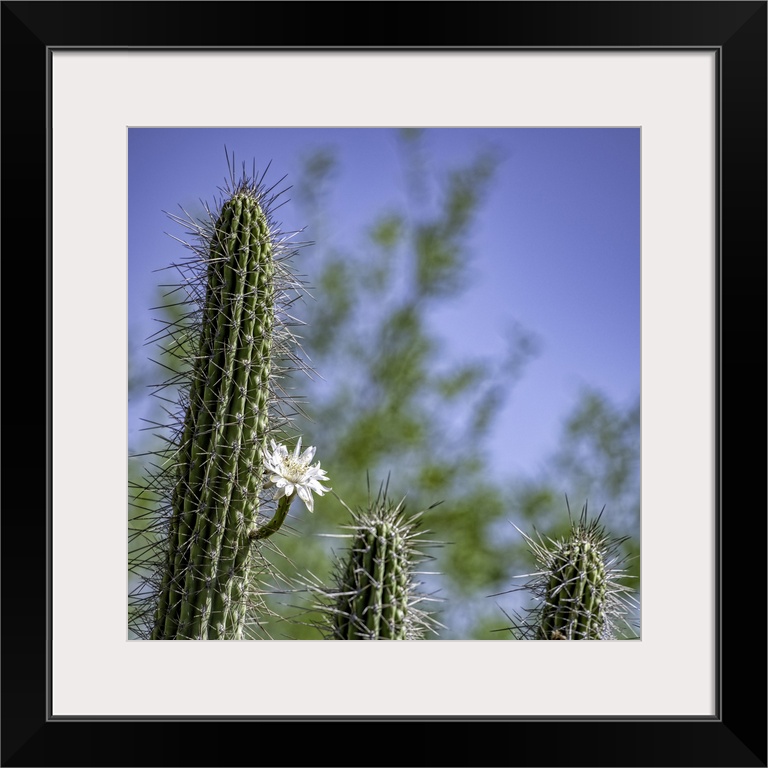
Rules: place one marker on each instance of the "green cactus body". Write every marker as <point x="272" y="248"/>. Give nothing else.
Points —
<point x="232" y="346"/>
<point x="375" y="595"/>
<point x="574" y="607"/>
<point x="577" y="586"/>
<point x="215" y="502"/>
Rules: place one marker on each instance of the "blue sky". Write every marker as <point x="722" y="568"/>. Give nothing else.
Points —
<point x="555" y="247"/>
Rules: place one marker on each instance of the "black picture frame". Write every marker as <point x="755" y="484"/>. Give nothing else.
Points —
<point x="736" y="736"/>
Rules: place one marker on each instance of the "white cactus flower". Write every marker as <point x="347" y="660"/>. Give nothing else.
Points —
<point x="293" y="472"/>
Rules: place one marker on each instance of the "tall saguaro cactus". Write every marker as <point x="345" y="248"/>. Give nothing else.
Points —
<point x="231" y="349"/>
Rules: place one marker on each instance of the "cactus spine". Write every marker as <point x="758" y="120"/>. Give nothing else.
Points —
<point x="577" y="585"/>
<point x="212" y="476"/>
<point x="375" y="595"/>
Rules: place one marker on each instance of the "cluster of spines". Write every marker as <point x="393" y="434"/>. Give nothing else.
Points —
<point x="578" y="586"/>
<point x="228" y="350"/>
<point x="375" y="593"/>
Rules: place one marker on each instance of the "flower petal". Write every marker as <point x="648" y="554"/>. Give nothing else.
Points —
<point x="307" y="498"/>
<point x="316" y="487"/>
<point x="308" y="455"/>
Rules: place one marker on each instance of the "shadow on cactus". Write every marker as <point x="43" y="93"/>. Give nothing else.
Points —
<point x="577" y="586"/>
<point x="199" y="512"/>
<point x="375" y="589"/>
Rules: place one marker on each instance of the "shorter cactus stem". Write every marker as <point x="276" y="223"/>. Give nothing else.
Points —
<point x="375" y="593"/>
<point x="577" y="585"/>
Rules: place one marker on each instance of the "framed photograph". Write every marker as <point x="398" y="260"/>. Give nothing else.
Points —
<point x="86" y="83"/>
